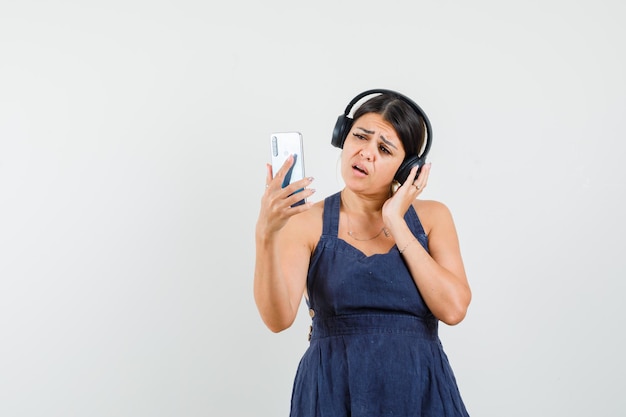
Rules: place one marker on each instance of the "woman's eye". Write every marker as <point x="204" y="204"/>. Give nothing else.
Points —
<point x="359" y="136"/>
<point x="385" y="150"/>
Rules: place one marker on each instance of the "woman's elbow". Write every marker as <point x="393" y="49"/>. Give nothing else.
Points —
<point x="453" y="318"/>
<point x="277" y="324"/>
<point x="276" y="328"/>
<point x="455" y="314"/>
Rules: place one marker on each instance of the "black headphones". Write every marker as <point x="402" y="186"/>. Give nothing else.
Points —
<point x="344" y="123"/>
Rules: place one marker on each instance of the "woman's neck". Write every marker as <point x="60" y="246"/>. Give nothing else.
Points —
<point x="362" y="204"/>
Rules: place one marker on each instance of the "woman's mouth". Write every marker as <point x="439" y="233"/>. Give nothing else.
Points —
<point x="360" y="169"/>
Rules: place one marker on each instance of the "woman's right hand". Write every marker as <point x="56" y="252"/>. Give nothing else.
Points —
<point x="277" y="203"/>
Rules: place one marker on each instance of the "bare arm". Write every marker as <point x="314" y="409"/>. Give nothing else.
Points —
<point x="439" y="275"/>
<point x="282" y="253"/>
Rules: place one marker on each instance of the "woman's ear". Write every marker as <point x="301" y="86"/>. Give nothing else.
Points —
<point x="394" y="186"/>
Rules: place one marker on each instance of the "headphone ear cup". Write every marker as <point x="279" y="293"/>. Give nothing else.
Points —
<point x="405" y="168"/>
<point x="342" y="127"/>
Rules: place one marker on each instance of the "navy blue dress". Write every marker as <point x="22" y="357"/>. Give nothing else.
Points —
<point x="374" y="349"/>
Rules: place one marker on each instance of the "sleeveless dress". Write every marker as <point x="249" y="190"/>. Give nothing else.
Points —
<point x="374" y="346"/>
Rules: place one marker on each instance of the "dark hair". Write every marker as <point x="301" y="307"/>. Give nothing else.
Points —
<point x="403" y="118"/>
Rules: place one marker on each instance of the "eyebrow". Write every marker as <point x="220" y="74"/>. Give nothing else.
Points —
<point x="371" y="132"/>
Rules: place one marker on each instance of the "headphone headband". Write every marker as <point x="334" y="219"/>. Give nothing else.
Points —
<point x="344" y="123"/>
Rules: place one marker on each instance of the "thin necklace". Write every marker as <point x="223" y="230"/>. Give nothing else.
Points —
<point x="351" y="233"/>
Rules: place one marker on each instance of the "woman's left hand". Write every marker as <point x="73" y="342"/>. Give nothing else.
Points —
<point x="397" y="205"/>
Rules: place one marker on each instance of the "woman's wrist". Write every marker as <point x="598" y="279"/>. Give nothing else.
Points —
<point x="404" y="247"/>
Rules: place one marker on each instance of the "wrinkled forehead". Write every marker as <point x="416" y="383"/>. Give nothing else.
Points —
<point x="376" y="125"/>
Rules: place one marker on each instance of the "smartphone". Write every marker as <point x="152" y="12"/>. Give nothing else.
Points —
<point x="282" y="145"/>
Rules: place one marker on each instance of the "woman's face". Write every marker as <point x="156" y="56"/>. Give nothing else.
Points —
<point x="372" y="153"/>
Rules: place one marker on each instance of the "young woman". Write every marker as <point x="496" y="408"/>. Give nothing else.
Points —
<point x="378" y="267"/>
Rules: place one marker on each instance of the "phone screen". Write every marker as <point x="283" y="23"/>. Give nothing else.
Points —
<point x="282" y="145"/>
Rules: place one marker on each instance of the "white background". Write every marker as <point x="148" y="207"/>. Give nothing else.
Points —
<point x="133" y="142"/>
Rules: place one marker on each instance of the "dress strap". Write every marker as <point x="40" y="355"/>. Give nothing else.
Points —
<point x="413" y="221"/>
<point x="332" y="205"/>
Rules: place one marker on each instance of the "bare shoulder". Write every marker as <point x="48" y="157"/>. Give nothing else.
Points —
<point x="432" y="214"/>
<point x="306" y="227"/>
